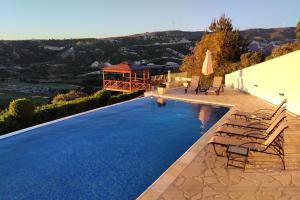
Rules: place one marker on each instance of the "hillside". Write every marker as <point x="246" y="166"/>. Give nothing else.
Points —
<point x="258" y="34"/>
<point x="271" y="34"/>
<point x="78" y="60"/>
<point x="64" y="64"/>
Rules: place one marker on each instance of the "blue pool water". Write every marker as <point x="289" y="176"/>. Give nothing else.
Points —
<point x="112" y="153"/>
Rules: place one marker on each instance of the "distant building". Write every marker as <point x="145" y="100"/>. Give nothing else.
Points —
<point x="172" y="65"/>
<point x="106" y="64"/>
<point x="95" y="64"/>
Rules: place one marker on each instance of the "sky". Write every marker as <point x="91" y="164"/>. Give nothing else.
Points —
<point x="59" y="19"/>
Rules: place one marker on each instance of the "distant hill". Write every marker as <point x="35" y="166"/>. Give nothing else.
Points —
<point x="270" y="34"/>
<point x="190" y="35"/>
<point x="73" y="60"/>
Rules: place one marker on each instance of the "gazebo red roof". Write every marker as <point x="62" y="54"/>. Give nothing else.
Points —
<point x="124" y="67"/>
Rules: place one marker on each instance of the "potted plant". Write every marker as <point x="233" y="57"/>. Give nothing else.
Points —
<point x="161" y="88"/>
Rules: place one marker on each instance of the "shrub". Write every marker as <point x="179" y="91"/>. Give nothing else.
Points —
<point x="21" y="109"/>
<point x="251" y="58"/>
<point x="298" y="30"/>
<point x="50" y="112"/>
<point x="284" y="49"/>
<point x="54" y="111"/>
<point x="124" y="97"/>
<point x="73" y="94"/>
<point x="8" y="123"/>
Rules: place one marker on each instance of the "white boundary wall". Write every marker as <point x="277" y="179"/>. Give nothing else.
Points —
<point x="271" y="79"/>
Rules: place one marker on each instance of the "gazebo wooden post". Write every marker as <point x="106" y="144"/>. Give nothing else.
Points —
<point x="123" y="79"/>
<point x="144" y="78"/>
<point x="103" y="79"/>
<point x="130" y="81"/>
<point x="135" y="75"/>
<point x="148" y="79"/>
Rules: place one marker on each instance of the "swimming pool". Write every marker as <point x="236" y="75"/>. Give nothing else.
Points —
<point x="111" y="153"/>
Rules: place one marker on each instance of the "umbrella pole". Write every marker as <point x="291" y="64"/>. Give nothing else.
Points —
<point x="199" y="86"/>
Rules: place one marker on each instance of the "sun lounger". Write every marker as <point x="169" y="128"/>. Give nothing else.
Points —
<point x="261" y="113"/>
<point x="163" y="78"/>
<point x="273" y="145"/>
<point x="160" y="78"/>
<point x="253" y="123"/>
<point x="194" y="86"/>
<point x="154" y="79"/>
<point x="216" y="86"/>
<point x="253" y="133"/>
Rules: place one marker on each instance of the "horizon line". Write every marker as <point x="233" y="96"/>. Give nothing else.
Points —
<point x="132" y="34"/>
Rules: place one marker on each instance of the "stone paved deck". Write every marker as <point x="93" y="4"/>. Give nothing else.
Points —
<point x="200" y="174"/>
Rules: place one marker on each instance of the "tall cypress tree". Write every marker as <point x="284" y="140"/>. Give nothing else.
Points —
<point x="298" y="30"/>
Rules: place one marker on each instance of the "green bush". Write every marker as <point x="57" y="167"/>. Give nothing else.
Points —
<point x="54" y="111"/>
<point x="251" y="58"/>
<point x="6" y="121"/>
<point x="48" y="112"/>
<point x="284" y="49"/>
<point x="297" y="31"/>
<point x="21" y="109"/>
<point x="9" y="124"/>
<point x="71" y="95"/>
<point x="124" y="97"/>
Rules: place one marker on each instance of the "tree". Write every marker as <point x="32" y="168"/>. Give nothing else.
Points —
<point x="225" y="44"/>
<point x="22" y="109"/>
<point x="298" y="30"/>
<point x="71" y="95"/>
<point x="251" y="58"/>
<point x="284" y="49"/>
<point x="223" y="24"/>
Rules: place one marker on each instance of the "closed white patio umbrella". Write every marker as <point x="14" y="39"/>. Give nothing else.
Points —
<point x="207" y="67"/>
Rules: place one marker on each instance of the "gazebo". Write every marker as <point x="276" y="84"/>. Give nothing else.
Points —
<point x="124" y="77"/>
